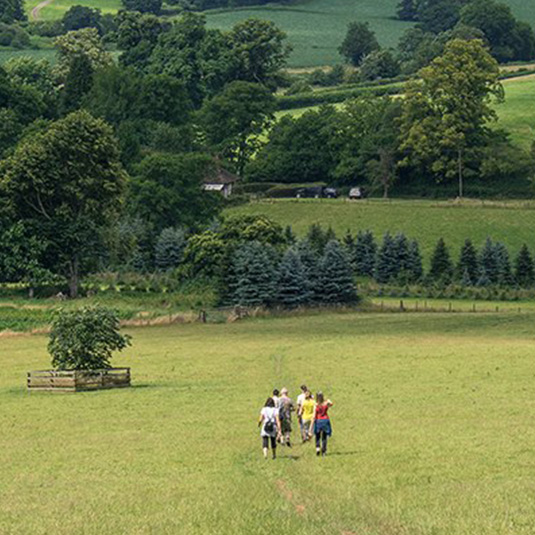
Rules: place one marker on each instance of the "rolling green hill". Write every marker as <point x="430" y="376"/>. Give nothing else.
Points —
<point x="510" y="222"/>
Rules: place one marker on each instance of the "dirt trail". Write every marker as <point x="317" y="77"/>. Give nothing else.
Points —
<point x="37" y="9"/>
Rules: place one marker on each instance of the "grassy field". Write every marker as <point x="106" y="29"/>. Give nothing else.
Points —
<point x="516" y="114"/>
<point x="433" y="431"/>
<point x="426" y="221"/>
<point x="57" y="8"/>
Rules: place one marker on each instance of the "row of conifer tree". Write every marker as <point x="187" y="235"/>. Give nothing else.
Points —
<point x="321" y="270"/>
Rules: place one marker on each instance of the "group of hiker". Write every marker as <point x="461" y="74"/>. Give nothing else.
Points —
<point x="275" y="420"/>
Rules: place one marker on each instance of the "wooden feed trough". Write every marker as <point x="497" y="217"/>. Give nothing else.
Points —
<point x="78" y="380"/>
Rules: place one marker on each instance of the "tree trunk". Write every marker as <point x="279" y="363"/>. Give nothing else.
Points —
<point x="74" y="277"/>
<point x="31" y="292"/>
<point x="460" y="164"/>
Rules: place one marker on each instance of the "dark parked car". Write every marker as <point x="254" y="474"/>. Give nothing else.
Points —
<point x="316" y="192"/>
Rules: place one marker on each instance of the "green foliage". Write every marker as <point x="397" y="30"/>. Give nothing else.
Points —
<point x="386" y="267"/>
<point x="13" y="36"/>
<point x="524" y="268"/>
<point x="234" y="120"/>
<point x="11" y="11"/>
<point x="509" y="40"/>
<point x="143" y="6"/>
<point x="335" y="279"/>
<point x="379" y="64"/>
<point x="67" y="184"/>
<point x="365" y="253"/>
<point x="296" y="149"/>
<point x="468" y="266"/>
<point x="85" y="339"/>
<point x="254" y="276"/>
<point x="169" y="248"/>
<point x="166" y="191"/>
<point x="293" y="286"/>
<point x="438" y="128"/>
<point x="86" y="42"/>
<point x="441" y="266"/>
<point x="77" y="83"/>
<point x="359" y="41"/>
<point x="205" y="255"/>
<point x="78" y="17"/>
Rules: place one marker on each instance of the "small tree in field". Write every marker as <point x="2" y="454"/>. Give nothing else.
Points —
<point x="84" y="339"/>
<point x="441" y="266"/>
<point x="335" y="276"/>
<point x="524" y="268"/>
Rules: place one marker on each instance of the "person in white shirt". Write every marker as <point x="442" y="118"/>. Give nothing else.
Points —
<point x="300" y="399"/>
<point x="270" y="425"/>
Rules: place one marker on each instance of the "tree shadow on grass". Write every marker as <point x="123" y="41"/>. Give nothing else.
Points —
<point x="342" y="453"/>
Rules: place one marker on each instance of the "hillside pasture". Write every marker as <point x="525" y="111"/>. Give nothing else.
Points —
<point x="433" y="427"/>
<point x="427" y="221"/>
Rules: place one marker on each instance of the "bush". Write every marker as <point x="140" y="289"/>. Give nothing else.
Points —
<point x="46" y="28"/>
<point x="12" y="35"/>
<point x="84" y="339"/>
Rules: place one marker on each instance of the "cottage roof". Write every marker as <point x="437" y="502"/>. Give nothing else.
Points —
<point x="218" y="175"/>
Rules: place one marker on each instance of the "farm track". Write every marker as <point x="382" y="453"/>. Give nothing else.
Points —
<point x="37" y="9"/>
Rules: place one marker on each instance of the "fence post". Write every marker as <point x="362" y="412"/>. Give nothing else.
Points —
<point x="473" y="307"/>
<point x="449" y="306"/>
<point x="401" y="307"/>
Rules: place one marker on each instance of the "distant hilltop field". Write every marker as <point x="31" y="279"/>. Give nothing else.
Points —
<point x="315" y="28"/>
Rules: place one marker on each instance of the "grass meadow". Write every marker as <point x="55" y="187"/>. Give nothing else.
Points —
<point x="433" y="431"/>
<point x="509" y="222"/>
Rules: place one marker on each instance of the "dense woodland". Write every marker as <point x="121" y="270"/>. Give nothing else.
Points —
<point x="102" y="159"/>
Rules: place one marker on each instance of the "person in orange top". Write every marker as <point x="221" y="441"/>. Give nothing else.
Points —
<point x="322" y="423"/>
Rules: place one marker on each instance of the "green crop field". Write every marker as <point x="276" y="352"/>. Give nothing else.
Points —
<point x="433" y="431"/>
<point x="316" y="28"/>
<point x="56" y="8"/>
<point x="426" y="221"/>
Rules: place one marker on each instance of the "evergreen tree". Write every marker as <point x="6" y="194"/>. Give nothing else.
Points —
<point x="78" y="83"/>
<point x="310" y="262"/>
<point x="349" y="244"/>
<point x="468" y="267"/>
<point x="407" y="10"/>
<point x="441" y="266"/>
<point x="488" y="264"/>
<point x="293" y="288"/>
<point x="254" y="274"/>
<point x="386" y="268"/>
<point x="335" y="277"/>
<point x="169" y="248"/>
<point x="414" y="267"/>
<point x="401" y="245"/>
<point x="503" y="263"/>
<point x="524" y="268"/>
<point x="365" y="253"/>
<point x="317" y="238"/>
<point x="329" y="235"/>
<point x="289" y="235"/>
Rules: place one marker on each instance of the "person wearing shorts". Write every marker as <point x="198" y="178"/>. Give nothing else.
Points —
<point x="306" y="416"/>
<point x="270" y="427"/>
<point x="300" y="399"/>
<point x="286" y="407"/>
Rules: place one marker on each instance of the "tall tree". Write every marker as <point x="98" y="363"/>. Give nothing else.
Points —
<point x="293" y="287"/>
<point x="169" y="248"/>
<point x="488" y="264"/>
<point x="524" y="268"/>
<point x="234" y="120"/>
<point x="143" y="6"/>
<point x="258" y="50"/>
<point x="414" y="268"/>
<point x="77" y="84"/>
<point x="387" y="268"/>
<point x="446" y="111"/>
<point x="335" y="281"/>
<point x="166" y="190"/>
<point x="66" y="184"/>
<point x="468" y="266"/>
<point x="255" y="275"/>
<point x="441" y="266"/>
<point x="359" y="41"/>
<point x="365" y="253"/>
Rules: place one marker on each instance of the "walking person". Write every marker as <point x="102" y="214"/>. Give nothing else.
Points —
<point x="270" y="425"/>
<point x="286" y="407"/>
<point x="300" y="399"/>
<point x="322" y="423"/>
<point x="306" y="416"/>
<point x="276" y="398"/>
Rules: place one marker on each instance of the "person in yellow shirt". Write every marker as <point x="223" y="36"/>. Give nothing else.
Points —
<point x="306" y="414"/>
